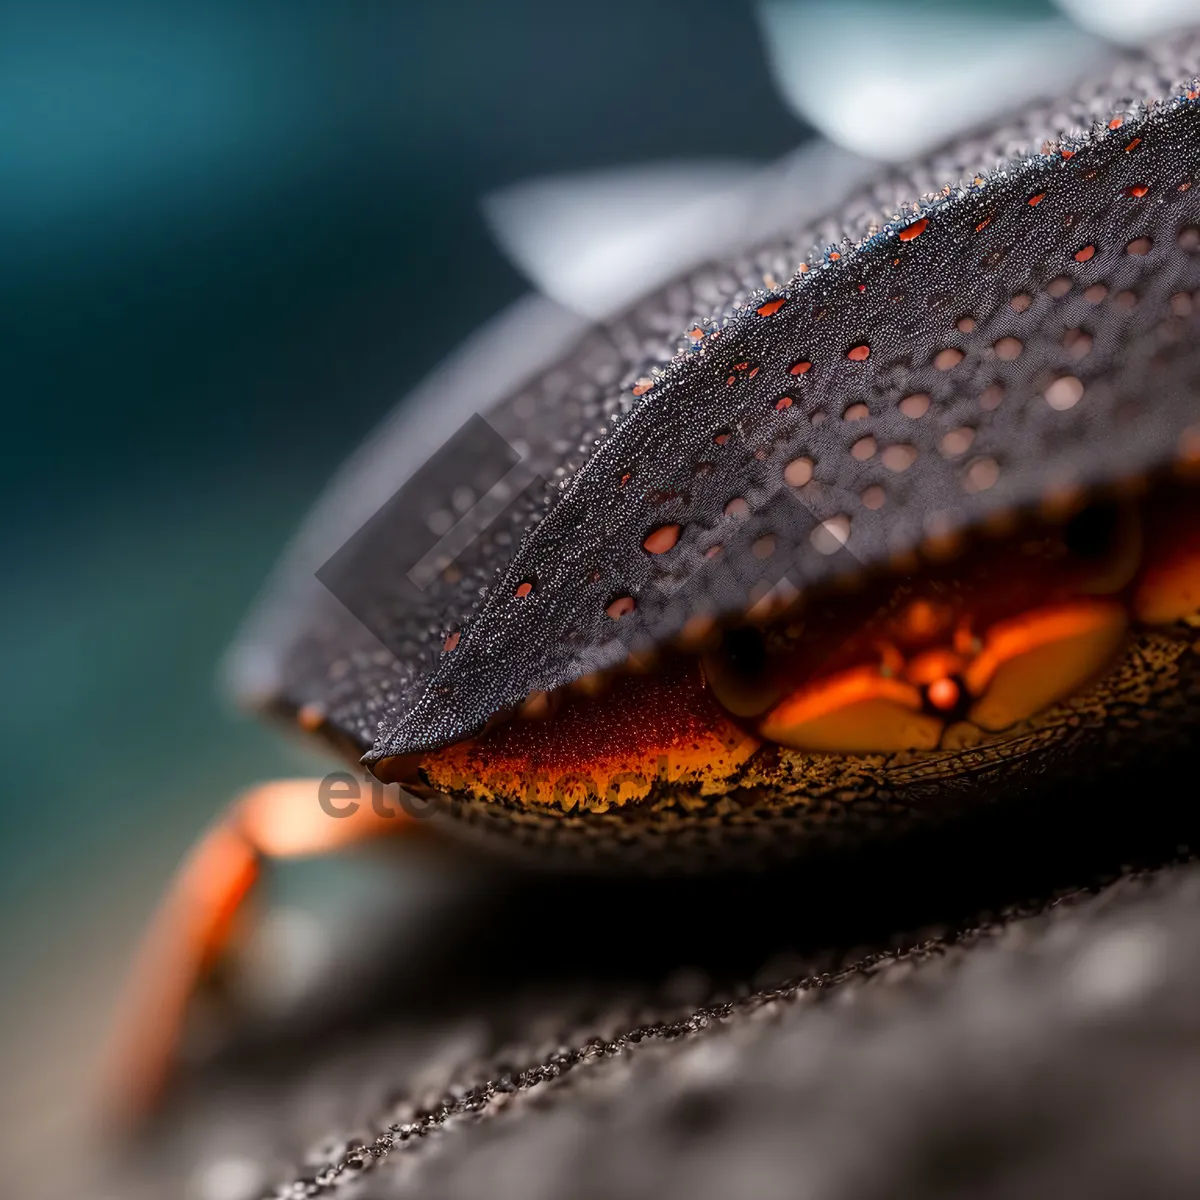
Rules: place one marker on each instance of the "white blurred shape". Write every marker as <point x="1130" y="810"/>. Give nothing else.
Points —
<point x="1131" y="21"/>
<point x="227" y="1178"/>
<point x="288" y="952"/>
<point x="580" y="237"/>
<point x="598" y="241"/>
<point x="892" y="80"/>
<point x="1119" y="968"/>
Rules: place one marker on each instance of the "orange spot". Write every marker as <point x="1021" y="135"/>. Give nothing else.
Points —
<point x="801" y="367"/>
<point x="1133" y="145"/>
<point x="859" y="353"/>
<point x="922" y="620"/>
<point x="803" y="268"/>
<point x="642" y="386"/>
<point x="625" y="479"/>
<point x="451" y="643"/>
<point x="738" y="369"/>
<point x="782" y="403"/>
<point x="1034" y="201"/>
<point x="862" y="287"/>
<point x="983" y="224"/>
<point x="523" y="590"/>
<point x="661" y="539"/>
<point x="798" y="472"/>
<point x="834" y="256"/>
<point x="914" y="230"/>
<point x="899" y="457"/>
<point x="771" y="307"/>
<point x="928" y="668"/>
<point x="696" y="334"/>
<point x="1067" y="153"/>
<point x="943" y="694"/>
<point x="721" y="438"/>
<point x="622" y="606"/>
<point x="1084" y="254"/>
<point x="1116" y="123"/>
<point x="311" y="717"/>
<point x="1138" y="191"/>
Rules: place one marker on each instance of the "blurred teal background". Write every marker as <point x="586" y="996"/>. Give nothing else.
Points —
<point x="226" y="230"/>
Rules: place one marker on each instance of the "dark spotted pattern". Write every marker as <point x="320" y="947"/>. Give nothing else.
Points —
<point x="878" y="323"/>
<point x="322" y="658"/>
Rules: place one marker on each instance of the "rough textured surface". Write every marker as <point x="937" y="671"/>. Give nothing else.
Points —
<point x="944" y="1023"/>
<point x="328" y="659"/>
<point x="1005" y="1075"/>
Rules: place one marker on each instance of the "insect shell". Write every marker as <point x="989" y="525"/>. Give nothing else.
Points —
<point x="904" y="535"/>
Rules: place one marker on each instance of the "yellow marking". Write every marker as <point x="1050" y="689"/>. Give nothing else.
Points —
<point x="856" y="712"/>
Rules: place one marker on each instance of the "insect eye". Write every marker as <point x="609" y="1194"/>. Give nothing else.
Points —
<point x="739" y="673"/>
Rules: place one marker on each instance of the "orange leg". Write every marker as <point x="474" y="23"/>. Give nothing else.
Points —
<point x="193" y="926"/>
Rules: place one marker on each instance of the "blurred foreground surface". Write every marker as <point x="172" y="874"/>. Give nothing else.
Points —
<point x="758" y="1037"/>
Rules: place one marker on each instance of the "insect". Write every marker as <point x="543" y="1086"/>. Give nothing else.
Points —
<point x="901" y="526"/>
